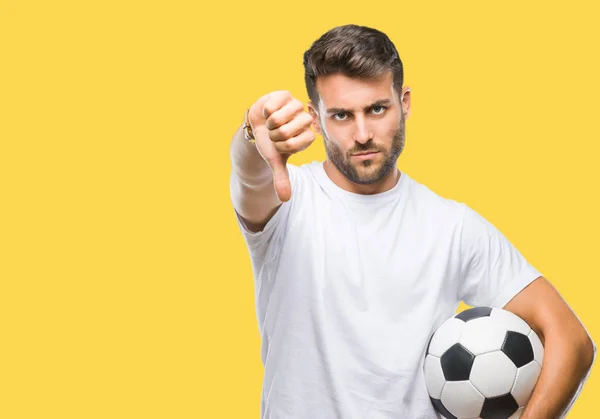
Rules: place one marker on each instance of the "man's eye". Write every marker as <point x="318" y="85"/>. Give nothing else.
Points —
<point x="340" y="116"/>
<point x="378" y="110"/>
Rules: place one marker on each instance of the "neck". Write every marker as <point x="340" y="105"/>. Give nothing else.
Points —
<point x="383" y="185"/>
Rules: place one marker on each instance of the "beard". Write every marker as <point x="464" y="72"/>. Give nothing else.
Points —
<point x="359" y="172"/>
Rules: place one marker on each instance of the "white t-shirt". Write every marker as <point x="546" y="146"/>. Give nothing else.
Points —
<point x="349" y="288"/>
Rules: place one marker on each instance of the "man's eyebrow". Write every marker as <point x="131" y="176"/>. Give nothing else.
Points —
<point x="382" y="102"/>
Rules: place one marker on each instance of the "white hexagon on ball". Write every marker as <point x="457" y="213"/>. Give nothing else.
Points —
<point x="525" y="381"/>
<point x="434" y="376"/>
<point x="538" y="348"/>
<point x="509" y="321"/>
<point x="482" y="335"/>
<point x="446" y="336"/>
<point x="462" y="399"/>
<point x="493" y="374"/>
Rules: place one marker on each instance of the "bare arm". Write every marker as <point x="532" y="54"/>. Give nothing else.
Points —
<point x="568" y="352"/>
<point x="252" y="188"/>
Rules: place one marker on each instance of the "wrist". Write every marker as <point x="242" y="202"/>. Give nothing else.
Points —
<point x="247" y="129"/>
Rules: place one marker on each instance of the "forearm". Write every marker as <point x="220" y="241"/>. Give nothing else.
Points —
<point x="565" y="365"/>
<point x="251" y="183"/>
<point x="247" y="163"/>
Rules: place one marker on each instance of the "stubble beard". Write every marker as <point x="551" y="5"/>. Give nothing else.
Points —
<point x="352" y="172"/>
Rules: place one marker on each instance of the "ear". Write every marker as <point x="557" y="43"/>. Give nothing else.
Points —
<point x="405" y="101"/>
<point x="315" y="116"/>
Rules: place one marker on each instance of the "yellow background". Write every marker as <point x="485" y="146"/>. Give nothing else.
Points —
<point x="126" y="289"/>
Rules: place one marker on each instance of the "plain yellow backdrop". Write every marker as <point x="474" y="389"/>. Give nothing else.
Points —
<point x="125" y="285"/>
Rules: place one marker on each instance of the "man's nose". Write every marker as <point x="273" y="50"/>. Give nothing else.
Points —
<point x="362" y="132"/>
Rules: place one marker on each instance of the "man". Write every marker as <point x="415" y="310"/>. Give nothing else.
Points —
<point x="356" y="264"/>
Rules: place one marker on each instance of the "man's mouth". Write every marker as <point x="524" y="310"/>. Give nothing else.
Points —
<point x="365" y="154"/>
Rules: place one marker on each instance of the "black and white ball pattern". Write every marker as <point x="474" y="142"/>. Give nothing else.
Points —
<point x="483" y="363"/>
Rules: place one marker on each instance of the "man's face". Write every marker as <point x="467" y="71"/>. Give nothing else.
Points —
<point x="362" y="123"/>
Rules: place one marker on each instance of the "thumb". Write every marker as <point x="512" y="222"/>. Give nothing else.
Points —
<point x="281" y="177"/>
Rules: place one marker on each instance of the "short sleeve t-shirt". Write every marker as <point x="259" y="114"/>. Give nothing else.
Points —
<point x="349" y="288"/>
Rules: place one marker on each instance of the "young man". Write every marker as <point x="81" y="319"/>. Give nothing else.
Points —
<point x="356" y="264"/>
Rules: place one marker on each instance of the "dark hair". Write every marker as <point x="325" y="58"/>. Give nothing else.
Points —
<point x="352" y="50"/>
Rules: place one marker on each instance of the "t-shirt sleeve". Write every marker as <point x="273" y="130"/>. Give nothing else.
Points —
<point x="492" y="270"/>
<point x="262" y="245"/>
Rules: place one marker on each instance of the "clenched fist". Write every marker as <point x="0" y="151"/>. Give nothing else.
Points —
<point x="281" y="128"/>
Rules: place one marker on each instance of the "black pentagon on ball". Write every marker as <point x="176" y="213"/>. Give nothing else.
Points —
<point x="456" y="363"/>
<point x="474" y="313"/>
<point x="441" y="408"/>
<point x="518" y="348"/>
<point x="501" y="407"/>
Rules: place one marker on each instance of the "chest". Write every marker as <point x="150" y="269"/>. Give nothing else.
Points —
<point x="378" y="259"/>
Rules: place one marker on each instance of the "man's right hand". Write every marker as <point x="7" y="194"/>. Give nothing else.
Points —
<point x="281" y="128"/>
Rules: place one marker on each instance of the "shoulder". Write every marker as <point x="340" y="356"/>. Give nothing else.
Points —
<point x="426" y="200"/>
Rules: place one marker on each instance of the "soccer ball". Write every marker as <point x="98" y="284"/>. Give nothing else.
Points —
<point x="482" y="363"/>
